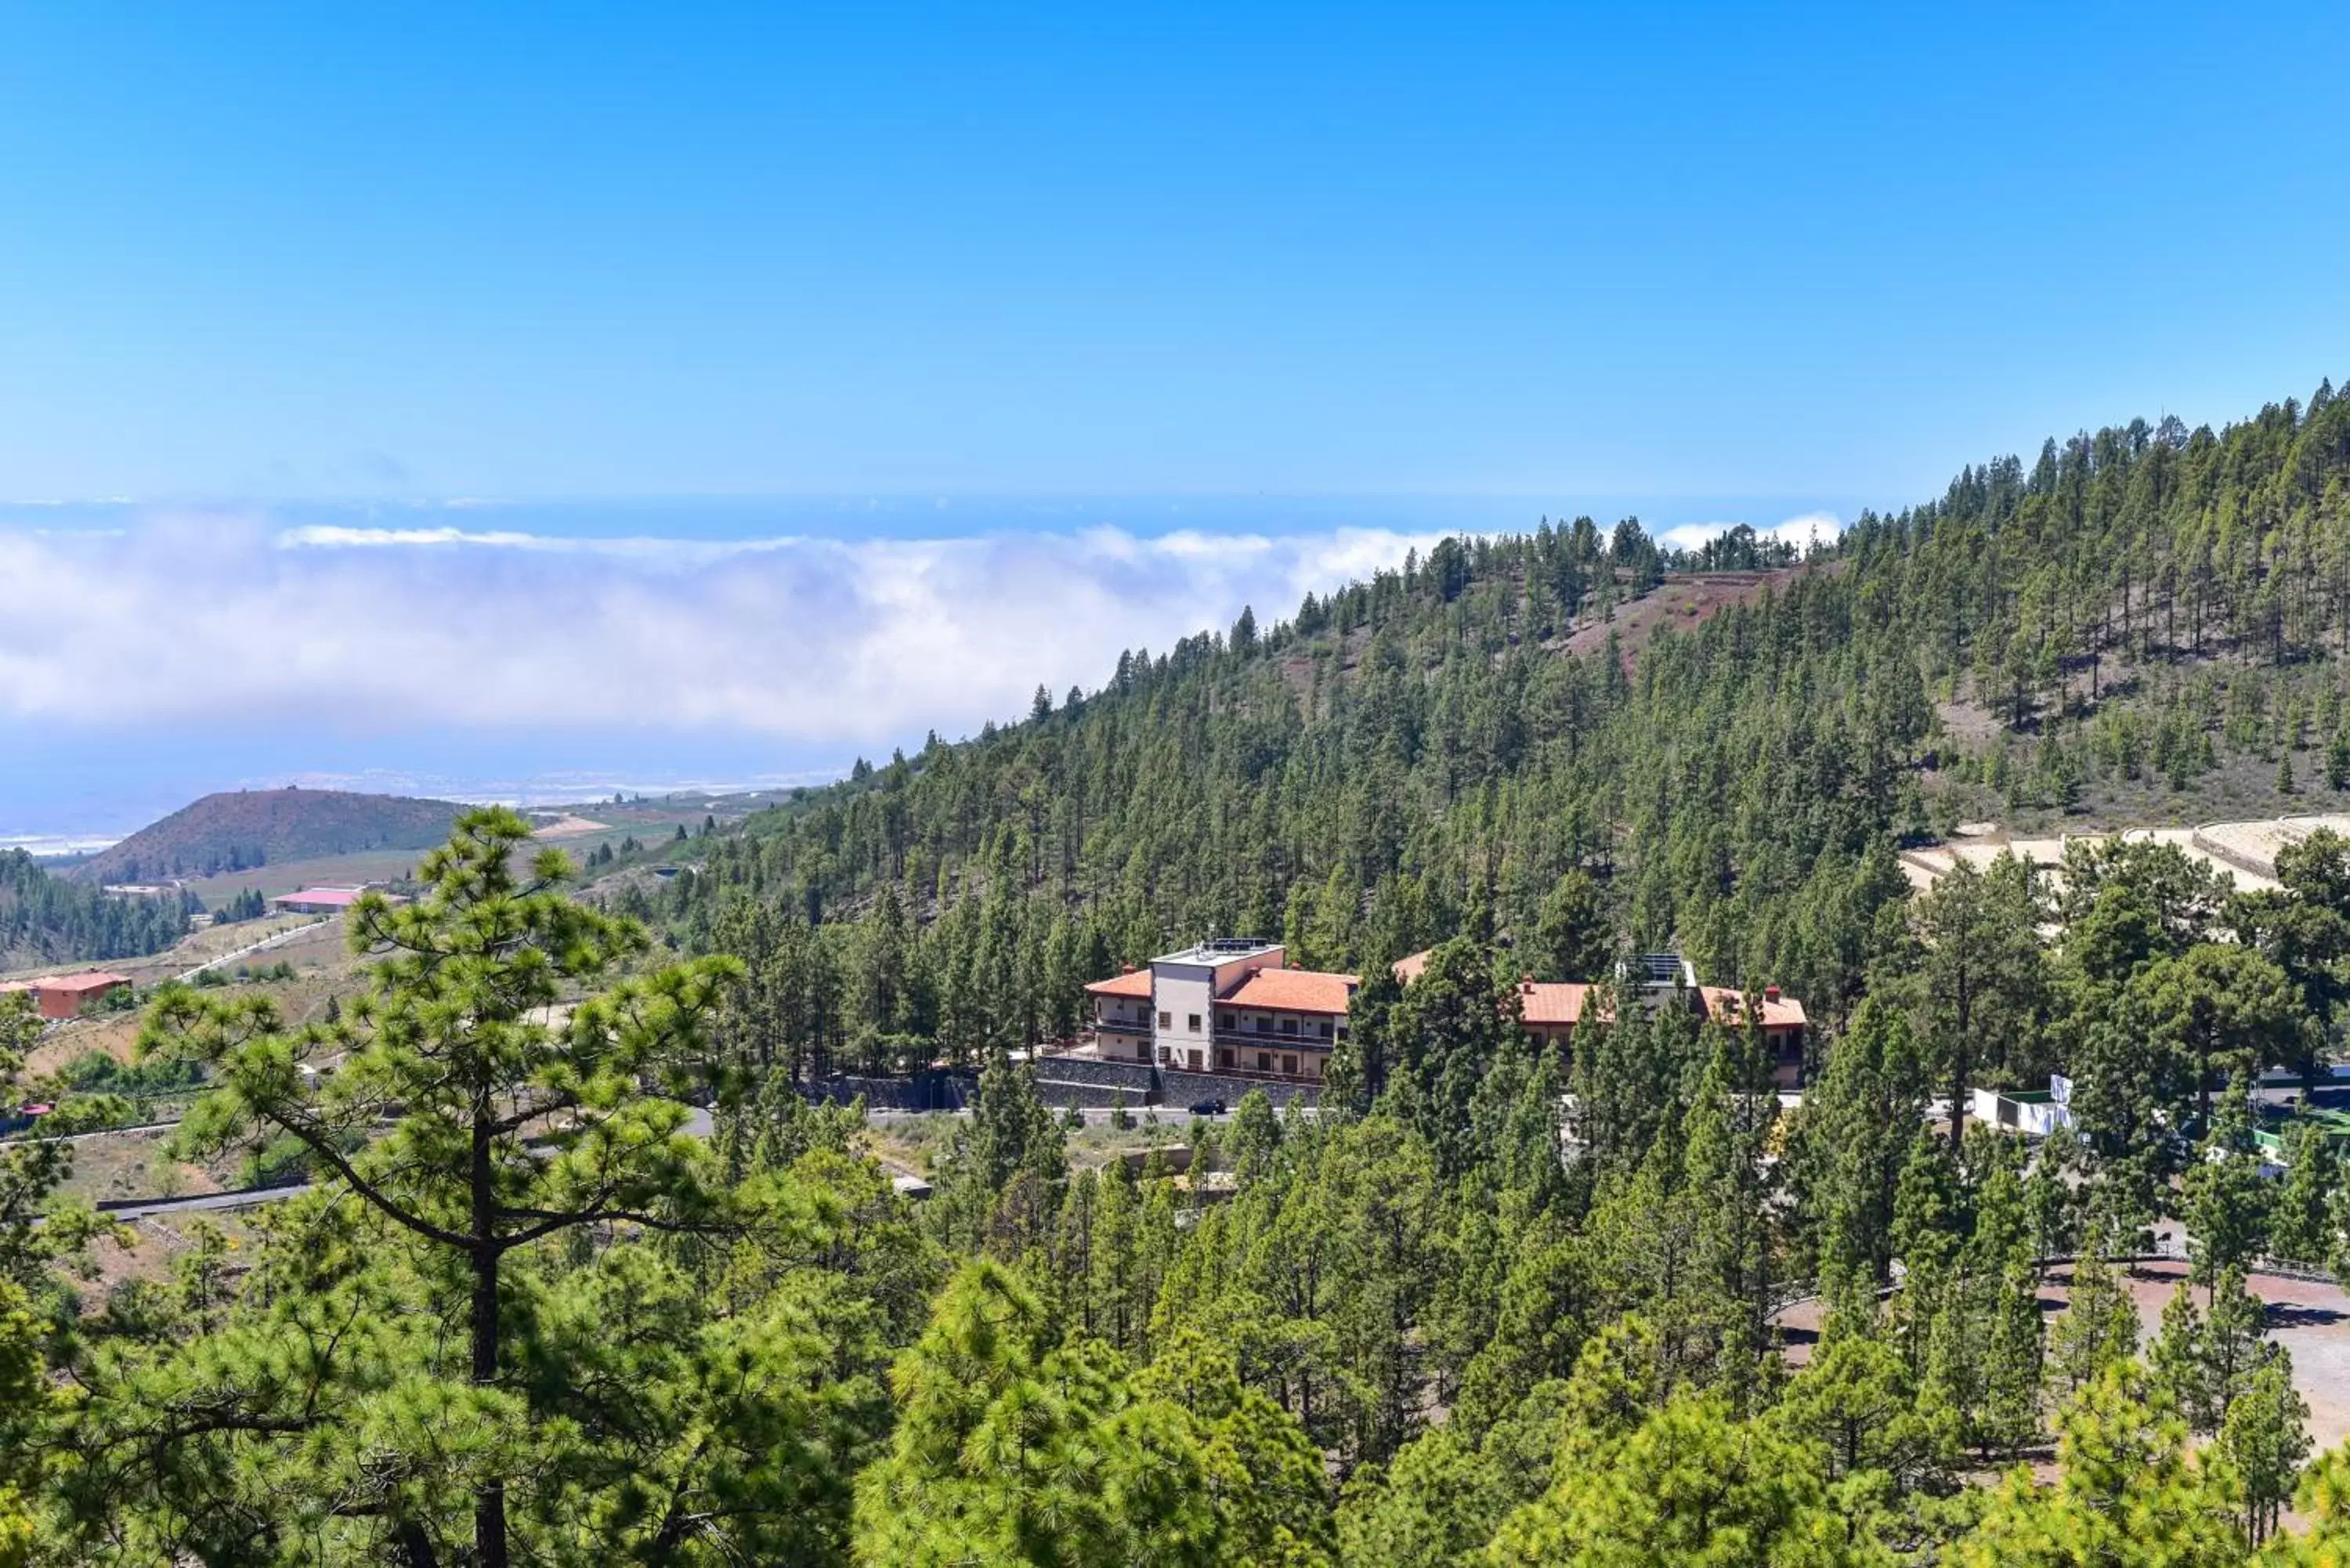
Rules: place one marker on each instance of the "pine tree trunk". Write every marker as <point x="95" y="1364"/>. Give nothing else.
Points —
<point x="1957" y="1110"/>
<point x="490" y="1502"/>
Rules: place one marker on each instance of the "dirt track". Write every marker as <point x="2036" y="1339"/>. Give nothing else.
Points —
<point x="2312" y="1321"/>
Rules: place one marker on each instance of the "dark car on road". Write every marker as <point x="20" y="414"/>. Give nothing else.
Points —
<point x="1206" y="1108"/>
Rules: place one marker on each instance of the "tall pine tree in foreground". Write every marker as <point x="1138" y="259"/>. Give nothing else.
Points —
<point x="456" y="1116"/>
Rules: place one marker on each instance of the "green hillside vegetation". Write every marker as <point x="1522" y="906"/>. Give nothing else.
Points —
<point x="2137" y="617"/>
<point x="46" y="920"/>
<point x="240" y="830"/>
<point x="524" y="1317"/>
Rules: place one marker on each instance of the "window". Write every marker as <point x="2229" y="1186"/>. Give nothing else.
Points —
<point x="1289" y="1026"/>
<point x="1325" y="1029"/>
<point x="1289" y="1066"/>
<point x="1195" y="1061"/>
<point x="1264" y="1061"/>
<point x="1261" y="1023"/>
<point x="1224" y="1058"/>
<point x="1163" y="1054"/>
<point x="1195" y="1023"/>
<point x="1225" y="1021"/>
<point x="1166" y="1021"/>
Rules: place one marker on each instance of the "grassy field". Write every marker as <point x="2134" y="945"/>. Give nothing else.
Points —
<point x="331" y="871"/>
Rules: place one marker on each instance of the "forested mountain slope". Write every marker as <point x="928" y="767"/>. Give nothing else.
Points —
<point x="2136" y="613"/>
<point x="47" y="919"/>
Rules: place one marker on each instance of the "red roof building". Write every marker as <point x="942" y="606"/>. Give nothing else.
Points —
<point x="1551" y="1011"/>
<point x="65" y="995"/>
<point x="318" y="900"/>
<point x="1231" y="1006"/>
<point x="1235" y="1006"/>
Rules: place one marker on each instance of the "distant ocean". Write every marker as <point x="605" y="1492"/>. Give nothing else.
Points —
<point x="1048" y="592"/>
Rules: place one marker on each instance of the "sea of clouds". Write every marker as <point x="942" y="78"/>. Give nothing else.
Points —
<point x="193" y="618"/>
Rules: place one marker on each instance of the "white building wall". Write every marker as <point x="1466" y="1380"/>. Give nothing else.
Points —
<point x="1185" y="998"/>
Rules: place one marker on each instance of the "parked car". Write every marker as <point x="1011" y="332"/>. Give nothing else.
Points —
<point x="1206" y="1108"/>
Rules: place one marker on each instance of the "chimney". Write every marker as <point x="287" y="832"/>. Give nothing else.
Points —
<point x="1126" y="968"/>
<point x="1769" y="993"/>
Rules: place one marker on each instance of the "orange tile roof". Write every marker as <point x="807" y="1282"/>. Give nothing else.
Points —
<point x="1726" y="1006"/>
<point x="1407" y="970"/>
<point x="1552" y="1004"/>
<point x="1295" y="990"/>
<point x="95" y="979"/>
<point x="1134" y="982"/>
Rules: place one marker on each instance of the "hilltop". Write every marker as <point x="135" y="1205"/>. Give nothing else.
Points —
<point x="245" y="828"/>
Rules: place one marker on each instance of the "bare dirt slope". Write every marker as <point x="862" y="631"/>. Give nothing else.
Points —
<point x="1683" y="602"/>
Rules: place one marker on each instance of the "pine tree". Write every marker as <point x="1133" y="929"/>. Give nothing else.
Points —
<point x="1117" y="1311"/>
<point x="2098" y="1328"/>
<point x="506" y="1133"/>
<point x="2180" y="1363"/>
<point x="1690" y="1484"/>
<point x="1851" y="1137"/>
<point x="27" y="1398"/>
<point x="1984" y="973"/>
<point x="2265" y="1439"/>
<point x="2128" y="1482"/>
<point x="2228" y="1199"/>
<point x="2012" y="1360"/>
<point x="1008" y="1451"/>
<point x="2234" y="1341"/>
<point x="2304" y="1225"/>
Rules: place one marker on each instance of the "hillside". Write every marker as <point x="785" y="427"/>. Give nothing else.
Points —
<point x="235" y="831"/>
<point x="1577" y="738"/>
<point x="45" y="919"/>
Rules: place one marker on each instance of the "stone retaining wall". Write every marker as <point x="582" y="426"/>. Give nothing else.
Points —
<point x="1061" y="1093"/>
<point x="1137" y="1078"/>
<point x="938" y="1090"/>
<point x="1182" y="1089"/>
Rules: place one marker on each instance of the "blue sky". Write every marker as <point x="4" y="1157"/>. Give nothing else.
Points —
<point x="880" y="274"/>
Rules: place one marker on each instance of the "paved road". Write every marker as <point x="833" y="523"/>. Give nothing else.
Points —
<point x="1168" y="1115"/>
<point x="205" y="1201"/>
<point x="102" y="1132"/>
<point x="698" y="1124"/>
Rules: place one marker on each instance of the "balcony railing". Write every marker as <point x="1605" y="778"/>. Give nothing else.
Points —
<point x="1243" y="1064"/>
<point x="1123" y="1026"/>
<point x="1249" y="1039"/>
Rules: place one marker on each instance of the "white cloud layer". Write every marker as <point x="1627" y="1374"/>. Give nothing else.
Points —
<point x="1800" y="531"/>
<point x="182" y="620"/>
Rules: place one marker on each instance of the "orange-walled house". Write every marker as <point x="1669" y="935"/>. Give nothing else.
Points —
<point x="65" y="995"/>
